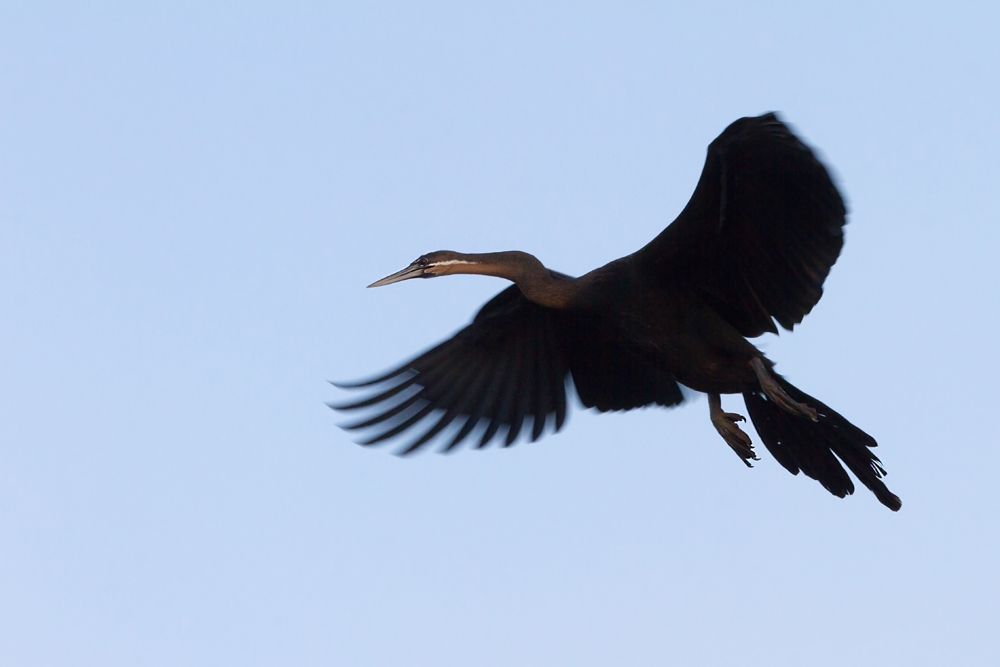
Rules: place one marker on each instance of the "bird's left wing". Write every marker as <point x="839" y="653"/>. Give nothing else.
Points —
<point x="504" y="367"/>
<point x="761" y="231"/>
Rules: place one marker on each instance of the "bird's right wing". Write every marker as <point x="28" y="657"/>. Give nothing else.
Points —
<point x="508" y="365"/>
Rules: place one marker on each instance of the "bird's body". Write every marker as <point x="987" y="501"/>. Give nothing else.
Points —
<point x="668" y="325"/>
<point x="682" y="335"/>
<point x="753" y="245"/>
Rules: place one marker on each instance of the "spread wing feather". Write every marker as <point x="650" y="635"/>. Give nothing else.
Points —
<point x="761" y="231"/>
<point x="509" y="366"/>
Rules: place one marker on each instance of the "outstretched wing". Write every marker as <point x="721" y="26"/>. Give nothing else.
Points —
<point x="510" y="364"/>
<point x="506" y="366"/>
<point x="761" y="231"/>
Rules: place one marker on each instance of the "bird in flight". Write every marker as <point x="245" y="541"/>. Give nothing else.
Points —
<point x="751" y="248"/>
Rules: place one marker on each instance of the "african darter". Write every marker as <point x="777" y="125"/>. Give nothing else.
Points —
<point x="751" y="248"/>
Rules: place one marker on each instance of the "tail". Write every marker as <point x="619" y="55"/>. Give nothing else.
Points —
<point x="801" y="444"/>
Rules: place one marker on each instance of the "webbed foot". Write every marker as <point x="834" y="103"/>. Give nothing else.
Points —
<point x="778" y="395"/>
<point x="725" y="424"/>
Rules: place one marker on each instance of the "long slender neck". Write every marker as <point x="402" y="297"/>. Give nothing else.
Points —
<point x="535" y="281"/>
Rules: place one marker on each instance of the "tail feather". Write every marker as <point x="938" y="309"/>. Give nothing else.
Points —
<point x="800" y="444"/>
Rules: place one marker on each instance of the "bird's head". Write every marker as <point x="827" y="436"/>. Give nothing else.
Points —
<point x="431" y="265"/>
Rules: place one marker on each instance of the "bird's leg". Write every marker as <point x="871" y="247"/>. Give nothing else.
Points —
<point x="778" y="395"/>
<point x="725" y="424"/>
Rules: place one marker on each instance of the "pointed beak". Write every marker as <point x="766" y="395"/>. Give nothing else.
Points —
<point x="412" y="271"/>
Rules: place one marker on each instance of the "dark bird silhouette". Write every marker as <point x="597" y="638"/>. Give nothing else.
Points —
<point x="751" y="248"/>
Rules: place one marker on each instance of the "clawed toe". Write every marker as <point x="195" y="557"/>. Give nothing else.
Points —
<point x="725" y="424"/>
<point x="786" y="403"/>
<point x="738" y="441"/>
<point x="778" y="395"/>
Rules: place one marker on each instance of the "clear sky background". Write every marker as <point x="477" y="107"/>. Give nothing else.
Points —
<point x="193" y="198"/>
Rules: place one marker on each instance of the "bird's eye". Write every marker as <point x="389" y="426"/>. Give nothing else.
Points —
<point x="423" y="261"/>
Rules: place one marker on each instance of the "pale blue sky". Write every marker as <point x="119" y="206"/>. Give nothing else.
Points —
<point x="192" y="199"/>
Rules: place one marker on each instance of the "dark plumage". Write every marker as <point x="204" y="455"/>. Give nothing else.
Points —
<point x="753" y="246"/>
